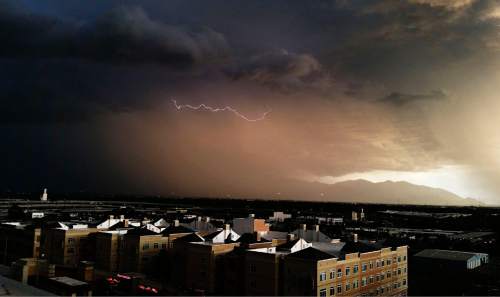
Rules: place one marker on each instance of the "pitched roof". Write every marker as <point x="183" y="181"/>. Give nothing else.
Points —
<point x="176" y="230"/>
<point x="120" y="225"/>
<point x="142" y="231"/>
<point x="193" y="237"/>
<point x="212" y="235"/>
<point x="288" y="245"/>
<point x="311" y="254"/>
<point x="358" y="247"/>
<point x="250" y="238"/>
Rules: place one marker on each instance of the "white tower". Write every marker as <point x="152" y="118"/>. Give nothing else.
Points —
<point x="44" y="195"/>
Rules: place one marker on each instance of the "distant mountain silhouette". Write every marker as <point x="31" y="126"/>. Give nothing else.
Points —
<point x="364" y="191"/>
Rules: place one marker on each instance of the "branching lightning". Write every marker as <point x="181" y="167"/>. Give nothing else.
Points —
<point x="218" y="109"/>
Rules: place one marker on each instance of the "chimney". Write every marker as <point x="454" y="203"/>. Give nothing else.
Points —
<point x="125" y="223"/>
<point x="290" y="237"/>
<point x="227" y="227"/>
<point x="207" y="219"/>
<point x="302" y="230"/>
<point x="251" y="215"/>
<point x="257" y="236"/>
<point x="176" y="223"/>
<point x="122" y="217"/>
<point x="355" y="237"/>
<point x="199" y="219"/>
<point x="316" y="228"/>
<point x="111" y="217"/>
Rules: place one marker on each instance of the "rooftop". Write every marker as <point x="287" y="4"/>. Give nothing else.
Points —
<point x="311" y="254"/>
<point x="446" y="255"/>
<point x="68" y="281"/>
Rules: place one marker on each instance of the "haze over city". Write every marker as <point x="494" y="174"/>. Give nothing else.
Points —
<point x="251" y="99"/>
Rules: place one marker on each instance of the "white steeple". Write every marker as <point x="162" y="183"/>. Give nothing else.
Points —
<point x="44" y="195"/>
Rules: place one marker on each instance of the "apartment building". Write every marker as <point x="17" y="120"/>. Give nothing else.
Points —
<point x="250" y="225"/>
<point x="346" y="272"/>
<point x="19" y="241"/>
<point x="204" y="266"/>
<point x="68" y="244"/>
<point x="108" y="245"/>
<point x="139" y="247"/>
<point x="311" y="235"/>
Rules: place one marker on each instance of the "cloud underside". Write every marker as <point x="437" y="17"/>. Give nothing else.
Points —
<point x="353" y="86"/>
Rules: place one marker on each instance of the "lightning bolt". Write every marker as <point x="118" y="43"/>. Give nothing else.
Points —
<point x="218" y="109"/>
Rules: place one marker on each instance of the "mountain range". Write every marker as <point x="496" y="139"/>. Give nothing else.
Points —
<point x="363" y="191"/>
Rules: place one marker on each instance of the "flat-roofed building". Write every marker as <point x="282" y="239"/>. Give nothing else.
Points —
<point x="447" y="272"/>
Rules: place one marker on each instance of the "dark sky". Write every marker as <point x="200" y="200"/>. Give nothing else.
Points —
<point x="399" y="90"/>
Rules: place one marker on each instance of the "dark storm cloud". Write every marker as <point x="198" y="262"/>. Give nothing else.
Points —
<point x="399" y="99"/>
<point x="124" y="34"/>
<point x="54" y="70"/>
<point x="283" y="70"/>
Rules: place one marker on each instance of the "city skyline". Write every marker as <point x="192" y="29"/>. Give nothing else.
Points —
<point x="249" y="99"/>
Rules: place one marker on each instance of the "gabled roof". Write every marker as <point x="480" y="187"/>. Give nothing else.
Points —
<point x="311" y="254"/>
<point x="176" y="230"/>
<point x="120" y="225"/>
<point x="334" y="249"/>
<point x="193" y="237"/>
<point x="288" y="245"/>
<point x="142" y="231"/>
<point x="250" y="238"/>
<point x="358" y="247"/>
<point x="212" y="235"/>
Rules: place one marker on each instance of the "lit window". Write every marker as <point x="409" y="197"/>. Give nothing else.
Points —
<point x="322" y="276"/>
<point x="322" y="293"/>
